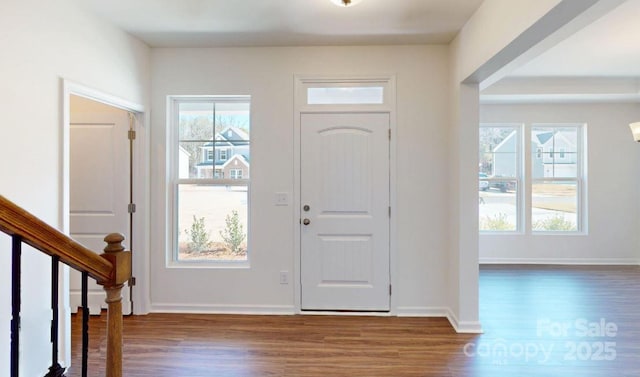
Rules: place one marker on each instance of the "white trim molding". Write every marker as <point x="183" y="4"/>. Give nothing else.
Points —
<point x="463" y="327"/>
<point x="565" y="261"/>
<point x="422" y="311"/>
<point x="223" y="309"/>
<point x="301" y="84"/>
<point x="140" y="157"/>
<point x="140" y="225"/>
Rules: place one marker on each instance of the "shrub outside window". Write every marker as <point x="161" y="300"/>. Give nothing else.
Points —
<point x="210" y="213"/>
<point x="553" y="182"/>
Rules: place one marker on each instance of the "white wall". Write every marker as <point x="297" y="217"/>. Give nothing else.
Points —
<point x="490" y="31"/>
<point x="612" y="186"/>
<point x="493" y="27"/>
<point x="42" y="42"/>
<point x="267" y="74"/>
<point x="500" y="34"/>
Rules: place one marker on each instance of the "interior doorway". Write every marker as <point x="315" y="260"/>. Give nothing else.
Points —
<point x="100" y="186"/>
<point x="138" y="227"/>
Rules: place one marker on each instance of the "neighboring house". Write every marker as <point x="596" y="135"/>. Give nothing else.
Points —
<point x="183" y="163"/>
<point x="554" y="155"/>
<point x="226" y="158"/>
<point x="437" y="100"/>
<point x="237" y="167"/>
<point x="504" y="164"/>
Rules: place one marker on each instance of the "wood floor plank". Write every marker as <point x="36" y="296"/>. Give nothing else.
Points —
<point x="522" y="308"/>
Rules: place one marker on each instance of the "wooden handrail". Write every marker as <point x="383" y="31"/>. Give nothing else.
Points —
<point x="16" y="221"/>
<point x="112" y="269"/>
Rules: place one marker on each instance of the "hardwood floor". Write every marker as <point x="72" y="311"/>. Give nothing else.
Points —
<point x="537" y="321"/>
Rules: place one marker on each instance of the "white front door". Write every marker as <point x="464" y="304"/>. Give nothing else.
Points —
<point x="344" y="211"/>
<point x="99" y="189"/>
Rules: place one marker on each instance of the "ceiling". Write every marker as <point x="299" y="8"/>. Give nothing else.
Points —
<point x="609" y="47"/>
<point x="213" y="23"/>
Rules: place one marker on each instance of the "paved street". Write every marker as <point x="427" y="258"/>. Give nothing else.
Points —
<point x="493" y="203"/>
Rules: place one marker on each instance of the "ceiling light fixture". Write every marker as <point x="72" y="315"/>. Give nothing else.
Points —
<point x="635" y="130"/>
<point x="345" y="3"/>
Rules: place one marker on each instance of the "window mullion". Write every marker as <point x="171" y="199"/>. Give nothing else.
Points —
<point x="210" y="217"/>
<point x="525" y="179"/>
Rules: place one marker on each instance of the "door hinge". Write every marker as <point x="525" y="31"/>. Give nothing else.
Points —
<point x="131" y="208"/>
<point x="389" y="133"/>
<point x="389" y="211"/>
<point x="132" y="281"/>
<point x="132" y="134"/>
<point x="389" y="289"/>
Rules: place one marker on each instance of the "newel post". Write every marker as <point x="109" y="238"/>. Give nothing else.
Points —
<point x="121" y="260"/>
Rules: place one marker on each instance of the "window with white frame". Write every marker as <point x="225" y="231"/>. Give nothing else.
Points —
<point x="500" y="177"/>
<point x="557" y="179"/>
<point x="223" y="154"/>
<point x="235" y="173"/>
<point x="554" y="178"/>
<point x="210" y="213"/>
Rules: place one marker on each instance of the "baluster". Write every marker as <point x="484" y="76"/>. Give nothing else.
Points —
<point x="16" y="254"/>
<point x="85" y="323"/>
<point x="55" y="370"/>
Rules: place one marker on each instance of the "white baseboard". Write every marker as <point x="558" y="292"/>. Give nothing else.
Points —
<point x="223" y="309"/>
<point x="422" y="311"/>
<point x="465" y="327"/>
<point x="409" y="311"/>
<point x="94" y="299"/>
<point x="444" y="312"/>
<point x="565" y="261"/>
<point x="344" y="314"/>
<point x="96" y="302"/>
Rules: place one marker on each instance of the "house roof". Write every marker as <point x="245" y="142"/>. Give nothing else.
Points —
<point x="238" y="137"/>
<point x="504" y="141"/>
<point x="543" y="138"/>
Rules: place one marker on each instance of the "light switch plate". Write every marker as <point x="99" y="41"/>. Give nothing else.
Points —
<point x="282" y="198"/>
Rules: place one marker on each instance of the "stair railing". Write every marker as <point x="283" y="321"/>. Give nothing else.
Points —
<point x="110" y="269"/>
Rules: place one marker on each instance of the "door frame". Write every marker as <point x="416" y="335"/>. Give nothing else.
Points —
<point x="139" y="226"/>
<point x="301" y="83"/>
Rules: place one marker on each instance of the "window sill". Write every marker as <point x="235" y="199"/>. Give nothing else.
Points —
<point x="551" y="233"/>
<point x="206" y="264"/>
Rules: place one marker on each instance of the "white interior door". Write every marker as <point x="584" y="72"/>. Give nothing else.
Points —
<point x="99" y="186"/>
<point x="345" y="211"/>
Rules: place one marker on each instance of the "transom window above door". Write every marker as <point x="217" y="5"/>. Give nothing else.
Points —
<point x="353" y="95"/>
<point x="325" y="94"/>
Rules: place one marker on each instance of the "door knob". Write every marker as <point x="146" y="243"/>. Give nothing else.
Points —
<point x="306" y="221"/>
<point x="306" y="208"/>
